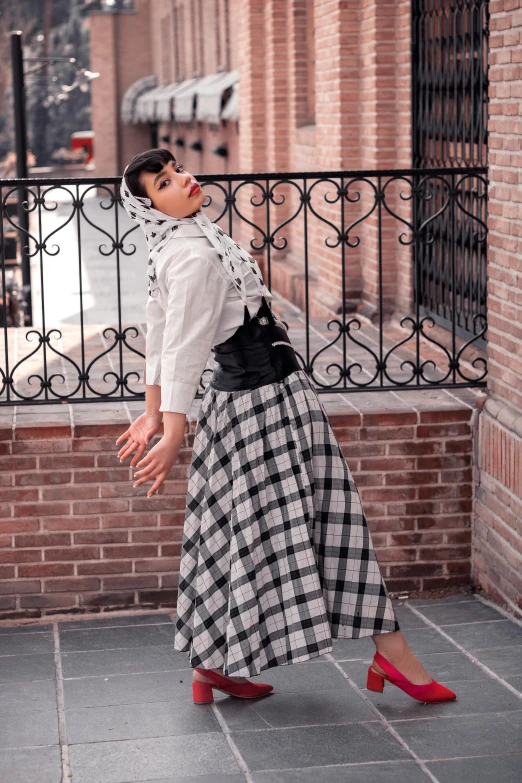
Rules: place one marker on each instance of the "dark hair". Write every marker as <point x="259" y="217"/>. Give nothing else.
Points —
<point x="151" y="160"/>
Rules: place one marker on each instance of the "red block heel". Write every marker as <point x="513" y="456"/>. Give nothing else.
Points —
<point x="202" y="693"/>
<point x="375" y="681"/>
<point x="432" y="692"/>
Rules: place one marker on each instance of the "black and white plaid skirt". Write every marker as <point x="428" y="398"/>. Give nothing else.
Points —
<point x="277" y="558"/>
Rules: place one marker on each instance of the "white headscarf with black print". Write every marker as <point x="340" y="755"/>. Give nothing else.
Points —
<point x="159" y="228"/>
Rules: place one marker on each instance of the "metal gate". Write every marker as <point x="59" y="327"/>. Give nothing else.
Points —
<point x="449" y="129"/>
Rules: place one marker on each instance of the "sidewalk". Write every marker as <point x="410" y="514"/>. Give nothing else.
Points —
<point x="107" y="700"/>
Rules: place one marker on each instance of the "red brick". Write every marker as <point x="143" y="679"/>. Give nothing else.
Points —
<point x="71" y="523"/>
<point x="130" y="550"/>
<point x="42" y="539"/>
<point x="132" y="582"/>
<point x="99" y="506"/>
<point x="42" y="478"/>
<point x="72" y="553"/>
<point x="101" y="537"/>
<point x="17" y="525"/>
<point x="16" y="586"/>
<point x="42" y="509"/>
<point x="46" y="569"/>
<point x="105" y="567"/>
<point x="74" y="585"/>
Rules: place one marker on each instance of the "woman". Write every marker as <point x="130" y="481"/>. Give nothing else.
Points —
<point x="276" y="557"/>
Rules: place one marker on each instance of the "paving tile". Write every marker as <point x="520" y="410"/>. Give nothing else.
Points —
<point x="354" y="649"/>
<point x="130" y="721"/>
<point x="280" y="710"/>
<point x="516" y="682"/>
<point x="16" y="668"/>
<point x="126" y="661"/>
<point x="26" y="729"/>
<point x="150" y="618"/>
<point x="380" y="772"/>
<point x="26" y="643"/>
<point x="453" y="614"/>
<point x="8" y="630"/>
<point x="127" y="761"/>
<point x="31" y="765"/>
<point x="407" y="619"/>
<point x="445" y="738"/>
<point x="200" y="779"/>
<point x="303" y="677"/>
<point x="505" y="662"/>
<point x="111" y="638"/>
<point x="20" y="696"/>
<point x="449" y="599"/>
<point x="127" y="689"/>
<point x="482" y="636"/>
<point x="444" y="667"/>
<point x="481" y="769"/>
<point x="316" y="746"/>
<point x="473" y="698"/>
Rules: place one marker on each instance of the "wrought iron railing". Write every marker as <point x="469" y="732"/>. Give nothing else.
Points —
<point x="354" y="243"/>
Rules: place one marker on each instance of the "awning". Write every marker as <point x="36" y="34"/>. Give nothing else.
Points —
<point x="184" y="101"/>
<point x="231" y="109"/>
<point x="164" y="104"/>
<point x="132" y="93"/>
<point x="147" y="103"/>
<point x="209" y="96"/>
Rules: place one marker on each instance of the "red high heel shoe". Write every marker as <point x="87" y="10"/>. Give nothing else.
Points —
<point x="432" y="692"/>
<point x="202" y="691"/>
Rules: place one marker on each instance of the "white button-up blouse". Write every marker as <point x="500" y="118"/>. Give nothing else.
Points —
<point x="196" y="307"/>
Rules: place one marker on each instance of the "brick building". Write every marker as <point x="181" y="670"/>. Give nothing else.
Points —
<point x="326" y="85"/>
<point x="302" y="86"/>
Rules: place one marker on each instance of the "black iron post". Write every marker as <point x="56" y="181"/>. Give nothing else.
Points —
<point x="17" y="61"/>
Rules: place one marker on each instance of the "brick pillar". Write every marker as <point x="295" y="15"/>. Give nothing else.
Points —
<point x="120" y="49"/>
<point x="104" y="94"/>
<point x="498" y="502"/>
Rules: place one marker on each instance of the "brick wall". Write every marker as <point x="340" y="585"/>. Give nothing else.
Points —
<point x="498" y="505"/>
<point x="76" y="536"/>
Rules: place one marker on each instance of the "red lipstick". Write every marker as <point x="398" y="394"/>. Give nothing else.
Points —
<point x="194" y="189"/>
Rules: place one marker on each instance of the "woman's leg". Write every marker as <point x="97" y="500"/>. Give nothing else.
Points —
<point x="394" y="647"/>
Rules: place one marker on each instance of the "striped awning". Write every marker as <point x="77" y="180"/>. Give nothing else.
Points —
<point x="147" y="104"/>
<point x="132" y="93"/>
<point x="165" y="102"/>
<point x="210" y="96"/>
<point x="183" y="110"/>
<point x="231" y="108"/>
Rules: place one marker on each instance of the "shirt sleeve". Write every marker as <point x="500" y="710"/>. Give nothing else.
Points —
<point x="155" y="327"/>
<point x="196" y="294"/>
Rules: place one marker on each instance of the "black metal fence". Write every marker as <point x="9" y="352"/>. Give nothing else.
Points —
<point x="358" y="246"/>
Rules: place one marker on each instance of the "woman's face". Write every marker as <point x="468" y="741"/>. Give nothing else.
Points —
<point x="173" y="191"/>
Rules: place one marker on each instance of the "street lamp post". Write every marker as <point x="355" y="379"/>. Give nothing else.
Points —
<point x="20" y="126"/>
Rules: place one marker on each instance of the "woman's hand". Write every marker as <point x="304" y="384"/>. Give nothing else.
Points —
<point x="157" y="463"/>
<point x="139" y="433"/>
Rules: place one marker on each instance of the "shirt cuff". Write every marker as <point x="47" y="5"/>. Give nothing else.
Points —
<point x="177" y="397"/>
<point x="153" y="371"/>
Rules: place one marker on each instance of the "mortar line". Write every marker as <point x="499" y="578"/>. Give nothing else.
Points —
<point x="468" y="655"/>
<point x="240" y="761"/>
<point x="385" y="722"/>
<point x="60" y="703"/>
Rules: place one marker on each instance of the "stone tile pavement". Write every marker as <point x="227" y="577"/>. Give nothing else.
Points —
<point x="107" y="700"/>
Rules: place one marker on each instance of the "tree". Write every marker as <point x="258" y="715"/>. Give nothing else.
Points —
<point x="63" y="33"/>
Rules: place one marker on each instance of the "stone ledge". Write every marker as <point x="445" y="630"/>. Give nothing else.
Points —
<point x="83" y="420"/>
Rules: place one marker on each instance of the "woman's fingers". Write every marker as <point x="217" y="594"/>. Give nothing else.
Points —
<point x="157" y="484"/>
<point x="125" y="435"/>
<point x="139" y="452"/>
<point x="128" y="450"/>
<point x="145" y="473"/>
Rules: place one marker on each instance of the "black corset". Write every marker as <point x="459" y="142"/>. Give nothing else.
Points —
<point x="259" y="352"/>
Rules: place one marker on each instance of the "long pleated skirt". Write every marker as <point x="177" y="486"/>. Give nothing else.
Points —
<point x="277" y="559"/>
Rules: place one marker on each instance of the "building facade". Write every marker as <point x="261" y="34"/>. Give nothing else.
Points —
<point x="326" y="85"/>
